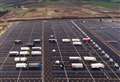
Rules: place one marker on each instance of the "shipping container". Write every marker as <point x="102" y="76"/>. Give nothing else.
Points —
<point x="21" y="66"/>
<point x="34" y="66"/>
<point x="76" y="40"/>
<point x="77" y="43"/>
<point x="25" y="48"/>
<point x="13" y="53"/>
<point x="89" y="58"/>
<point x="77" y="65"/>
<point x="66" y="40"/>
<point x="97" y="65"/>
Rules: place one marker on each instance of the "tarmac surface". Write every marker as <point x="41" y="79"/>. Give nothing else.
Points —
<point x="51" y="72"/>
<point x="108" y="32"/>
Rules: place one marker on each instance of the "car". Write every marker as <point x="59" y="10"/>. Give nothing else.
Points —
<point x="99" y="49"/>
<point x="107" y="56"/>
<point x="111" y="60"/>
<point x="91" y="40"/>
<point x="83" y="21"/>
<point x="53" y="40"/>
<point x="86" y="39"/>
<point x="57" y="62"/>
<point x="94" y="43"/>
<point x="52" y="36"/>
<point x="103" y="52"/>
<point x="96" y="46"/>
<point x="62" y="66"/>
<point x="116" y="65"/>
<point x="53" y="50"/>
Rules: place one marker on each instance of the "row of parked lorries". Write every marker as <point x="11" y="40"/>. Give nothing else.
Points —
<point x="79" y="64"/>
<point x="78" y="42"/>
<point x="29" y="50"/>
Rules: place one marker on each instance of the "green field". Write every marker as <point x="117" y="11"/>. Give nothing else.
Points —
<point x="104" y="3"/>
<point x="5" y="7"/>
<point x="98" y="3"/>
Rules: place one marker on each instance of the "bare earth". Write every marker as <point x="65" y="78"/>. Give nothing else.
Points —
<point x="58" y="12"/>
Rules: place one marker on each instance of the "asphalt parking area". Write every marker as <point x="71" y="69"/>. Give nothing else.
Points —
<point x="56" y="65"/>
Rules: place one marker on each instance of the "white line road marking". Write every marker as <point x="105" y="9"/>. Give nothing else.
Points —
<point x="80" y="56"/>
<point x="101" y="69"/>
<point x="85" y="47"/>
<point x="43" y="28"/>
<point x="13" y="26"/>
<point x="98" y="55"/>
<point x="29" y="39"/>
<point x="60" y="54"/>
<point x="19" y="75"/>
<point x="1" y="66"/>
